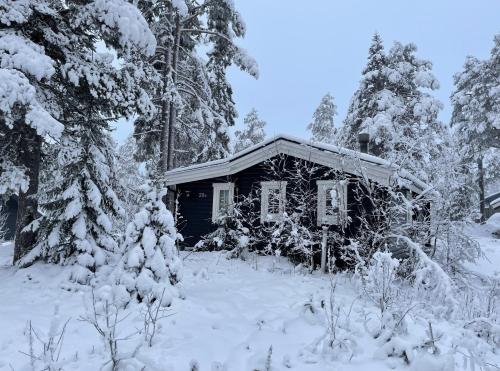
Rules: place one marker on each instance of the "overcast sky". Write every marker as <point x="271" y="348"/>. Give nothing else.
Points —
<point x="306" y="48"/>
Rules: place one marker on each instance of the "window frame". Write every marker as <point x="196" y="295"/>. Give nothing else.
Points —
<point x="405" y="218"/>
<point x="217" y="187"/>
<point x="322" y="187"/>
<point x="265" y="188"/>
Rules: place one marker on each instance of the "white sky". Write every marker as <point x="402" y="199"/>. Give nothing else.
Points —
<point x="307" y="48"/>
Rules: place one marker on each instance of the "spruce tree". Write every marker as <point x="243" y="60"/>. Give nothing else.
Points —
<point x="77" y="221"/>
<point x="408" y="131"/>
<point x="476" y="112"/>
<point x="364" y="103"/>
<point x="29" y="36"/>
<point x="52" y="70"/>
<point x="252" y="133"/>
<point x="150" y="267"/>
<point x="394" y="105"/>
<point x="77" y="225"/>
<point x="323" y="128"/>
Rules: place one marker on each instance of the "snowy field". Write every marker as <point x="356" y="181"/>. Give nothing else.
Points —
<point x="236" y="315"/>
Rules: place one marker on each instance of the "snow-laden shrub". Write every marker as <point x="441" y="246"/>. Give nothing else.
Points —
<point x="290" y="237"/>
<point x="338" y="342"/>
<point x="44" y="349"/>
<point x="419" y="352"/>
<point x="379" y="281"/>
<point x="230" y="235"/>
<point x="235" y="232"/>
<point x="454" y="248"/>
<point x="150" y="264"/>
<point x="382" y="284"/>
<point x="104" y="311"/>
<point x="431" y="283"/>
<point x="485" y="329"/>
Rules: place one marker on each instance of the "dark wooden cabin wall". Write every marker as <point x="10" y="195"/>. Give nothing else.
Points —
<point x="196" y="212"/>
<point x="195" y="209"/>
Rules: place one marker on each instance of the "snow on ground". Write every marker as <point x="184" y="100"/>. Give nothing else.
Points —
<point x="233" y="313"/>
<point x="489" y="240"/>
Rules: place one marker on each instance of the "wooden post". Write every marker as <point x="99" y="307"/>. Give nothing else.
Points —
<point x="481" y="189"/>
<point x="323" y="248"/>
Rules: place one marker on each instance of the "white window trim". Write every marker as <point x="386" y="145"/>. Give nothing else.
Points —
<point x="216" y="198"/>
<point x="264" y="200"/>
<point x="323" y="186"/>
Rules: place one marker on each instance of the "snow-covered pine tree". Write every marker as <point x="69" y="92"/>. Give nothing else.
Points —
<point x="150" y="265"/>
<point x="408" y="132"/>
<point x="191" y="90"/>
<point x="364" y="103"/>
<point x="28" y="59"/>
<point x="476" y="112"/>
<point x="76" y="228"/>
<point x="51" y="69"/>
<point x="76" y="225"/>
<point x="322" y="127"/>
<point x="130" y="177"/>
<point x="252" y="133"/>
<point x="394" y="105"/>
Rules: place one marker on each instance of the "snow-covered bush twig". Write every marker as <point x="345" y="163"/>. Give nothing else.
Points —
<point x="48" y="356"/>
<point x="337" y="342"/>
<point x="105" y="315"/>
<point x="153" y="314"/>
<point x="379" y="281"/>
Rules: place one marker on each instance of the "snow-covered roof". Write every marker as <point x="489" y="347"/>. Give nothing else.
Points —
<point x="492" y="197"/>
<point x="495" y="203"/>
<point x="328" y="155"/>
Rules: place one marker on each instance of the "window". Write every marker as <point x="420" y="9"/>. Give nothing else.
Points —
<point x="332" y="202"/>
<point x="402" y="209"/>
<point x="273" y="199"/>
<point x="223" y="200"/>
<point x="409" y="207"/>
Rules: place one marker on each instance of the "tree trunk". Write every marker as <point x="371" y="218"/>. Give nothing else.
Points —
<point x="164" y="137"/>
<point x="481" y="188"/>
<point x="28" y="201"/>
<point x="172" y="120"/>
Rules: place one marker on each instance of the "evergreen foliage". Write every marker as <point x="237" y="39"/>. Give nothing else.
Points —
<point x="252" y="133"/>
<point x="54" y="72"/>
<point x="150" y="265"/>
<point x="192" y="95"/>
<point x="475" y="118"/>
<point x="323" y="128"/>
<point x="394" y="105"/>
<point x="130" y="180"/>
<point x="77" y="225"/>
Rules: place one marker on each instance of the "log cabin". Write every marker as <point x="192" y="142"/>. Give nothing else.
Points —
<point x="204" y="191"/>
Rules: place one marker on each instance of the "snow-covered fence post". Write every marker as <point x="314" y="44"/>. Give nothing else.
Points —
<point x="323" y="248"/>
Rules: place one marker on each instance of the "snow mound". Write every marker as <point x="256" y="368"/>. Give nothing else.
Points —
<point x="493" y="224"/>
